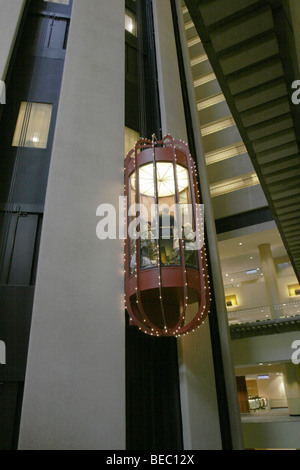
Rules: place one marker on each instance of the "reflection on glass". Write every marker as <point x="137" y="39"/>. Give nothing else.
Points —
<point x="164" y="219"/>
<point x="131" y="217"/>
<point x="148" y="243"/>
<point x="168" y="232"/>
<point x="161" y="219"/>
<point x="188" y="225"/>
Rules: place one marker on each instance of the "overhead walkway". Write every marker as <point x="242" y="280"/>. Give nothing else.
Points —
<point x="265" y="327"/>
<point x="250" y="45"/>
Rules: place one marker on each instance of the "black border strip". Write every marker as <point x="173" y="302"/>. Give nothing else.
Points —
<point x="244" y="219"/>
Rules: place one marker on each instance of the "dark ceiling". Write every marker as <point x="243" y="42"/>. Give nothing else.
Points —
<point x="251" y="47"/>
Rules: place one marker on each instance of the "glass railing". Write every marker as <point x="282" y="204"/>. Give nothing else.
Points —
<point x="287" y="311"/>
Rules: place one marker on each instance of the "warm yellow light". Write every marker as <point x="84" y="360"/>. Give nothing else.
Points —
<point x="165" y="179"/>
<point x="294" y="290"/>
<point x="33" y="125"/>
<point x="231" y="301"/>
<point x="130" y="24"/>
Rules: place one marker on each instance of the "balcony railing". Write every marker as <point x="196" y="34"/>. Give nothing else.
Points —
<point x="286" y="311"/>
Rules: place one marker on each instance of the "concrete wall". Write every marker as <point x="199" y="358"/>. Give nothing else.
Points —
<point x="273" y="435"/>
<point x="75" y="382"/>
<point x="201" y="426"/>
<point x="171" y="103"/>
<point x="266" y="348"/>
<point x="273" y="389"/>
<point x="217" y="281"/>
<point x="10" y="16"/>
<point x="229" y="168"/>
<point x="255" y="294"/>
<point x="237" y="202"/>
<point x="198" y="393"/>
<point x="248" y="296"/>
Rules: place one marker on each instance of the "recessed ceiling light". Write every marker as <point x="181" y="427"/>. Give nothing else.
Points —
<point x="240" y="243"/>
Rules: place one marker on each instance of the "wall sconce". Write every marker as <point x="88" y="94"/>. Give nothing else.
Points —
<point x="231" y="301"/>
<point x="294" y="290"/>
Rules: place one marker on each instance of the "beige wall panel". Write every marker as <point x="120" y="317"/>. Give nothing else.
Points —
<point x="75" y="382"/>
<point x="238" y="202"/>
<point x="172" y="110"/>
<point x="201" y="426"/>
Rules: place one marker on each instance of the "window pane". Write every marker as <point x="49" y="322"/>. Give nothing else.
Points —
<point x="187" y="217"/>
<point x="132" y="245"/>
<point x="130" y="23"/>
<point x="33" y="125"/>
<point x="168" y="215"/>
<point x="148" y="244"/>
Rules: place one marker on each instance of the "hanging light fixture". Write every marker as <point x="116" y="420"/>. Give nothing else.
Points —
<point x="166" y="279"/>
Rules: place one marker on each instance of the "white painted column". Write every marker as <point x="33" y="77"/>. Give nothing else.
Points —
<point x="270" y="277"/>
<point x="217" y="279"/>
<point x="201" y="426"/>
<point x="291" y="377"/>
<point x="75" y="382"/>
<point x="171" y="103"/>
<point x="10" y="16"/>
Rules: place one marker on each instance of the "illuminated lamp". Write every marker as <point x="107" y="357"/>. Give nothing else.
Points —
<point x="166" y="280"/>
